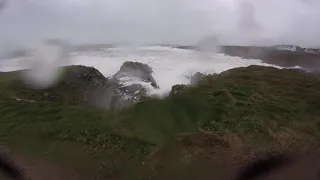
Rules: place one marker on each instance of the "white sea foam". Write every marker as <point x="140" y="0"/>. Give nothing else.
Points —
<point x="170" y="66"/>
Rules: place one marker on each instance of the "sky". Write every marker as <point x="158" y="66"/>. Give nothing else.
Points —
<point x="24" y="23"/>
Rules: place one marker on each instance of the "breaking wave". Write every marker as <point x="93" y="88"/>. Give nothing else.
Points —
<point x="170" y="65"/>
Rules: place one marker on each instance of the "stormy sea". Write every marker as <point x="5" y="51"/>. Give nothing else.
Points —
<point x="170" y="65"/>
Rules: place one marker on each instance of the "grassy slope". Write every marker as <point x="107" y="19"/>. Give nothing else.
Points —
<point x="265" y="107"/>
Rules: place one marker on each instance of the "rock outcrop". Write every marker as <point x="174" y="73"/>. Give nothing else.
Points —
<point x="126" y="96"/>
<point x="307" y="58"/>
<point x="273" y="55"/>
<point x="131" y="71"/>
<point x="81" y="84"/>
<point x="176" y="89"/>
<point x="195" y="78"/>
<point x="128" y="78"/>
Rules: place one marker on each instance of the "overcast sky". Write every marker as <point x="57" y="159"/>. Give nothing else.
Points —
<point x="26" y="22"/>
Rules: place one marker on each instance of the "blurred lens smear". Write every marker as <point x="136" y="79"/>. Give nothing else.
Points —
<point x="28" y="24"/>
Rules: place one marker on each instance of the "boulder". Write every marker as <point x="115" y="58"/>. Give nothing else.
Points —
<point x="111" y="93"/>
<point x="130" y="91"/>
<point x="80" y="84"/>
<point x="127" y="96"/>
<point x="176" y="89"/>
<point x="135" y="71"/>
<point x="83" y="76"/>
<point x="195" y="78"/>
<point x="116" y="96"/>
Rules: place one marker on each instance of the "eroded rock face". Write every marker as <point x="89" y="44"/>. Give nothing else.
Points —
<point x="81" y="84"/>
<point x="195" y="78"/>
<point x="130" y="91"/>
<point x="82" y="75"/>
<point x="121" y="90"/>
<point x="131" y="71"/>
<point x="78" y="84"/>
<point x="176" y="89"/>
<point x="126" y="96"/>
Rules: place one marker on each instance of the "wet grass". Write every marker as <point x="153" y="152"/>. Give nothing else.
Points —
<point x="253" y="103"/>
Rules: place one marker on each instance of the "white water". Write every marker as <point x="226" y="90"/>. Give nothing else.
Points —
<point x="171" y="66"/>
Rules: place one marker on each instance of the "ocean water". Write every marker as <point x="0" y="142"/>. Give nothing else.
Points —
<point x="170" y="65"/>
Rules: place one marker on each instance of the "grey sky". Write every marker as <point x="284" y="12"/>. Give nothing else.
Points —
<point x="25" y="22"/>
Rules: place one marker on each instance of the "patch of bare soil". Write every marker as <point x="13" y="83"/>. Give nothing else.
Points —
<point x="202" y="156"/>
<point x="301" y="166"/>
<point x="33" y="168"/>
<point x="206" y="156"/>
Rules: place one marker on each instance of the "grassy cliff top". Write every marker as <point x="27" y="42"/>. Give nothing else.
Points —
<point x="252" y="109"/>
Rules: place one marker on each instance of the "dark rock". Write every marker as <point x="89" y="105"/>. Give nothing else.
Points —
<point x="82" y="75"/>
<point x="104" y="93"/>
<point x="117" y="96"/>
<point x="195" y="78"/>
<point x="176" y="89"/>
<point x="277" y="56"/>
<point x="104" y="96"/>
<point x="81" y="84"/>
<point x="127" y="96"/>
<point x="136" y="70"/>
<point x="129" y="66"/>
<point x="78" y="84"/>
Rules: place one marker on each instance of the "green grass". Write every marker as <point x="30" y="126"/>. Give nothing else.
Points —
<point x="249" y="102"/>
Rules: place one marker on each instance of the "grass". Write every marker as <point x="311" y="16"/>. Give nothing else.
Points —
<point x="256" y="104"/>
